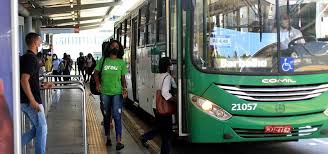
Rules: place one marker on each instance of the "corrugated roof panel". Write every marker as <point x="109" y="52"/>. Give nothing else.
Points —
<point x="90" y="21"/>
<point x="95" y="1"/>
<point x="94" y="12"/>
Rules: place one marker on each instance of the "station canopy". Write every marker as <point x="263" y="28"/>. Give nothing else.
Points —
<point x="84" y="14"/>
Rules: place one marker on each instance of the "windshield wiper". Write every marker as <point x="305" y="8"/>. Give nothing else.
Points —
<point x="260" y="18"/>
<point x="249" y="4"/>
<point x="257" y="13"/>
<point x="296" y="5"/>
<point x="278" y="26"/>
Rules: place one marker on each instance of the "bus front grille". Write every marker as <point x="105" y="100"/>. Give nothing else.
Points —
<point x="276" y="93"/>
<point x="259" y="133"/>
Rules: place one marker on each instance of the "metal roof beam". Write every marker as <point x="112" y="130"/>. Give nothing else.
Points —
<point x="67" y="9"/>
<point x="90" y="24"/>
<point x="88" y="27"/>
<point x="23" y="11"/>
<point x="107" y="13"/>
<point x="84" y="25"/>
<point x="57" y="22"/>
<point x="79" y="12"/>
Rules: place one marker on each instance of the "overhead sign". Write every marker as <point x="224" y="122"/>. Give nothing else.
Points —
<point x="77" y="30"/>
<point x="244" y="63"/>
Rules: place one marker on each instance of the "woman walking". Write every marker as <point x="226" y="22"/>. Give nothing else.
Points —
<point x="90" y="66"/>
<point x="56" y="67"/>
<point x="68" y="62"/>
<point x="165" y="82"/>
<point x="112" y="85"/>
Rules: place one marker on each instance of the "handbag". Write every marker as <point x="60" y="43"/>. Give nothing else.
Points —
<point x="163" y="106"/>
<point x="93" y="84"/>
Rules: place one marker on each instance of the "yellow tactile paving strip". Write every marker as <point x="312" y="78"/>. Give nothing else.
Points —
<point x="96" y="143"/>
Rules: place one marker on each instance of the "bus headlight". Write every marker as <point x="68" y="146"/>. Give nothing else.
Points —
<point x="210" y="108"/>
<point x="207" y="106"/>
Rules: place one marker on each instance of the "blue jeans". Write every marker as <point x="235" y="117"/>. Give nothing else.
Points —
<point x="39" y="128"/>
<point x="113" y="103"/>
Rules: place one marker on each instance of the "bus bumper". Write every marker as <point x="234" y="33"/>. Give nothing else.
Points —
<point x="206" y="129"/>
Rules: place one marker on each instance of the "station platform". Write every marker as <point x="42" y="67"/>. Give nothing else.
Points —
<point x="64" y="121"/>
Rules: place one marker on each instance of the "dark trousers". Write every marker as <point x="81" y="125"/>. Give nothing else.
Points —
<point x="89" y="71"/>
<point x="82" y="72"/>
<point x="66" y="72"/>
<point x="55" y="72"/>
<point x="163" y="126"/>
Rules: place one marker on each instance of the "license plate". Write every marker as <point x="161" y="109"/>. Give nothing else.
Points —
<point x="278" y="129"/>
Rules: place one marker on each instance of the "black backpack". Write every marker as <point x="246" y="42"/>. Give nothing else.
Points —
<point x="93" y="85"/>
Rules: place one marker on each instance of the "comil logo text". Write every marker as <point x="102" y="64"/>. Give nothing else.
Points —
<point x="278" y="81"/>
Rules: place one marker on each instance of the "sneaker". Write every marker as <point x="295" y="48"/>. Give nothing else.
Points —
<point x="109" y="142"/>
<point x="119" y="146"/>
<point x="143" y="142"/>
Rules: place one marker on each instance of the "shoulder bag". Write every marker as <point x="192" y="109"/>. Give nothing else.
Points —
<point x="163" y="106"/>
<point x="93" y="85"/>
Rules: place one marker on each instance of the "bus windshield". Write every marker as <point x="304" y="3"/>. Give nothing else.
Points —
<point x="243" y="35"/>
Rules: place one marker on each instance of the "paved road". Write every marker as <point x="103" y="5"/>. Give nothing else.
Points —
<point x="309" y="146"/>
<point x="131" y="146"/>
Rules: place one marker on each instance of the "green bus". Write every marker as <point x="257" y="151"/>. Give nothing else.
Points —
<point x="247" y="70"/>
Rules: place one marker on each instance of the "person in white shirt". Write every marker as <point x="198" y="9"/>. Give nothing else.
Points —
<point x="56" y="67"/>
<point x="165" y="82"/>
<point x="288" y="33"/>
<point x="90" y="66"/>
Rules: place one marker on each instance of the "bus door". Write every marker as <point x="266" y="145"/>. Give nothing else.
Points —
<point x="183" y="49"/>
<point x="133" y="58"/>
<point x="177" y="28"/>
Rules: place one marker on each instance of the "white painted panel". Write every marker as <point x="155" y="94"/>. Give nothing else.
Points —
<point x="145" y="81"/>
<point x="21" y="21"/>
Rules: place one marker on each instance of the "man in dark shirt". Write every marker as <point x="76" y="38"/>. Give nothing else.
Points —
<point x="31" y="103"/>
<point x="81" y="64"/>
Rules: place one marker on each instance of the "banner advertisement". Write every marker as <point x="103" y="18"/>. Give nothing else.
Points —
<point x="6" y="80"/>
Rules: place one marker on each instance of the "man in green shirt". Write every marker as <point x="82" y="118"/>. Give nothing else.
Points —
<point x="112" y="85"/>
